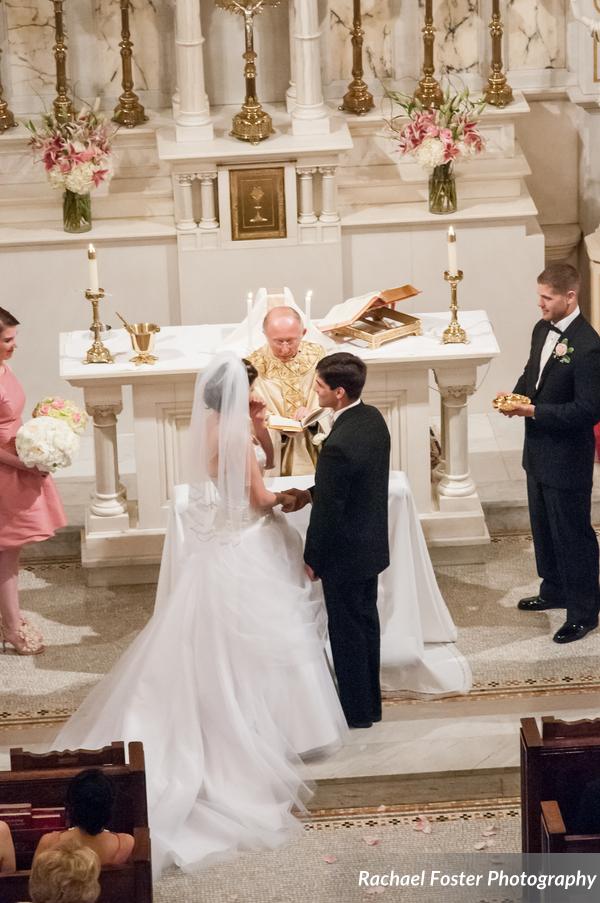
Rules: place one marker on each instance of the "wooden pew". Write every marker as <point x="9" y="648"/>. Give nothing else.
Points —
<point x="555" y="765"/>
<point x="556" y="838"/>
<point x="46" y="785"/>
<point x="114" y="754"/>
<point x="127" y="883"/>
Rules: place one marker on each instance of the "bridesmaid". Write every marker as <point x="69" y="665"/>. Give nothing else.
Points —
<point x="30" y="509"/>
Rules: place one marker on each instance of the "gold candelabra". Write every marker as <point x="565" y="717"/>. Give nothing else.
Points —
<point x="357" y="99"/>
<point x="129" y="111"/>
<point x="428" y="91"/>
<point x="63" y="108"/>
<point x="454" y="334"/>
<point x="252" y="123"/>
<point x="98" y="353"/>
<point x="498" y="92"/>
<point x="7" y="119"/>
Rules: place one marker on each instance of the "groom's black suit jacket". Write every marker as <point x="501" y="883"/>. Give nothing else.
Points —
<point x="347" y="536"/>
<point x="559" y="442"/>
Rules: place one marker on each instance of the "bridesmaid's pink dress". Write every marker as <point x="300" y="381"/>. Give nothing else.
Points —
<point x="30" y="508"/>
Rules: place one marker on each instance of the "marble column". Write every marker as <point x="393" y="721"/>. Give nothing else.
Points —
<point x="456" y="480"/>
<point x="310" y="116"/>
<point x="306" y="204"/>
<point x="185" y="203"/>
<point x="208" y="217"/>
<point x="329" y="211"/>
<point x="109" y="498"/>
<point x="290" y="94"/>
<point x="193" y="118"/>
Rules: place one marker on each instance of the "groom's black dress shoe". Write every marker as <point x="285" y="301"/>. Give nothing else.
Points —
<point x="359" y="724"/>
<point x="571" y="631"/>
<point x="536" y="603"/>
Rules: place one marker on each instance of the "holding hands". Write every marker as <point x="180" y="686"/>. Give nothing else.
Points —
<point x="296" y="499"/>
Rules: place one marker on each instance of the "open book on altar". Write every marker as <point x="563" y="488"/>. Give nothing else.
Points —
<point x="353" y="309"/>
<point x="289" y="425"/>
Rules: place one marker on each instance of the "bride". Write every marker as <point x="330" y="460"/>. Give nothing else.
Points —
<point x="228" y="681"/>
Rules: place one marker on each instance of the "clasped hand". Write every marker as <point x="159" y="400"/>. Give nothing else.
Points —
<point x="295" y="499"/>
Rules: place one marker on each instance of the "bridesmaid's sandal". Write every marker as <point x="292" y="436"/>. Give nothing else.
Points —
<point x="26" y="640"/>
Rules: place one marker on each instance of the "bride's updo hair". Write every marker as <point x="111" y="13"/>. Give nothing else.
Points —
<point x="213" y="390"/>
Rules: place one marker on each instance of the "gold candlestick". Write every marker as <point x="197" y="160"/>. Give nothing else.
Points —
<point x="129" y="111"/>
<point x="454" y="334"/>
<point x="499" y="92"/>
<point x="63" y="108"/>
<point x="358" y="99"/>
<point x="98" y="353"/>
<point x="252" y="123"/>
<point x="428" y="91"/>
<point x="7" y="119"/>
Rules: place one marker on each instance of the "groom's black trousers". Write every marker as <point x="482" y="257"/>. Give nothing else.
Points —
<point x="354" y="636"/>
<point x="566" y="549"/>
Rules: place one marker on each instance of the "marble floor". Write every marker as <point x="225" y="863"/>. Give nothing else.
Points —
<point x="431" y="743"/>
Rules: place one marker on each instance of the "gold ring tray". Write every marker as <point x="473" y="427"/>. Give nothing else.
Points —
<point x="508" y="402"/>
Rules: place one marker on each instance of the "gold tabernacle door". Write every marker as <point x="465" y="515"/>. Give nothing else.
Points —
<point x="371" y="318"/>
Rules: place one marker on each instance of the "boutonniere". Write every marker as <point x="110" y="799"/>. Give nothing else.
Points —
<point x="563" y="350"/>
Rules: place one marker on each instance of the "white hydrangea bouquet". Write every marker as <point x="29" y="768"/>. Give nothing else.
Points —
<point x="50" y="440"/>
<point x="77" y="158"/>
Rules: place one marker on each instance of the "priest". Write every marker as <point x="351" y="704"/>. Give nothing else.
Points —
<point x="286" y="376"/>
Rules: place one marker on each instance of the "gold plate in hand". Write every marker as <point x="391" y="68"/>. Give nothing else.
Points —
<point x="507" y="402"/>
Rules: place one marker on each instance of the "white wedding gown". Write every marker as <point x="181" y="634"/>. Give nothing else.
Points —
<point x="225" y="685"/>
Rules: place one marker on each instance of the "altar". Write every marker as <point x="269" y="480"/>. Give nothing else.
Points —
<point x="123" y="536"/>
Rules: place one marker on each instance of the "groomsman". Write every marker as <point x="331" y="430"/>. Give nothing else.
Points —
<point x="562" y="379"/>
<point x="347" y="538"/>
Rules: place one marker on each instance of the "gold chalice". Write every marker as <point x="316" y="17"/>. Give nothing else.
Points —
<point x="507" y="402"/>
<point x="142" y="339"/>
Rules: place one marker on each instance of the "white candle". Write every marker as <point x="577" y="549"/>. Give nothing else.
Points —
<point x="249" y="319"/>
<point x="307" y="303"/>
<point x="93" y="269"/>
<point x="452" y="255"/>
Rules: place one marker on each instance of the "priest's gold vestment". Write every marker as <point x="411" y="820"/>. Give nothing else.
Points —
<point x="285" y="386"/>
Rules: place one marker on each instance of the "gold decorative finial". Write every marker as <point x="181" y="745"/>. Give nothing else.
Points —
<point x="357" y="99"/>
<point x="498" y="92"/>
<point x="62" y="105"/>
<point x="428" y="90"/>
<point x="129" y="111"/>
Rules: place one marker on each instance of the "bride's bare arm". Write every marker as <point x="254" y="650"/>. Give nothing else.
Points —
<point x="260" y="496"/>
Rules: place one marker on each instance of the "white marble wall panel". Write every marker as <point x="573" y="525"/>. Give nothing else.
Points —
<point x="536" y="34"/>
<point x="28" y="64"/>
<point x="457" y="24"/>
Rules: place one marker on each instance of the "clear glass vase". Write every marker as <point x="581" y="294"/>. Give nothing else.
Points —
<point x="77" y="212"/>
<point x="442" y="189"/>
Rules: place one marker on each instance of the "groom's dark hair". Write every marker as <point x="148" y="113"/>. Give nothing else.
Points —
<point x="343" y="370"/>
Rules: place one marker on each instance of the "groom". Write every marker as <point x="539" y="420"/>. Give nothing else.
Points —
<point x="347" y="538"/>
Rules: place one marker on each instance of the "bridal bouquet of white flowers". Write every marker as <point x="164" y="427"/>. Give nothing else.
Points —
<point x="51" y="439"/>
<point x="46" y="443"/>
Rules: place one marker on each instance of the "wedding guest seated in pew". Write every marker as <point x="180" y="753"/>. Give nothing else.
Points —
<point x="89" y="809"/>
<point x="7" y="849"/>
<point x="67" y="874"/>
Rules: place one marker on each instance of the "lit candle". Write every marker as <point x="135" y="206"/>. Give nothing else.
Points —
<point x="452" y="255"/>
<point x="93" y="269"/>
<point x="307" y="303"/>
<point x="248" y="319"/>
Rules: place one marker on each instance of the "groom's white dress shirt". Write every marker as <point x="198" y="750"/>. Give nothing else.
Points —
<point x="552" y="340"/>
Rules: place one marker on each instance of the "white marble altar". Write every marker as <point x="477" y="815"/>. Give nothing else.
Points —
<point x="122" y="535"/>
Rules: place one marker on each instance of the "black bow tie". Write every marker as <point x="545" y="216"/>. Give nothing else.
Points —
<point x="553" y="328"/>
